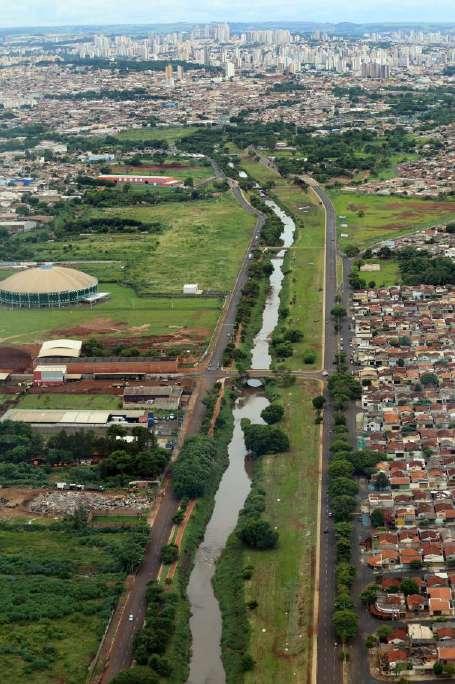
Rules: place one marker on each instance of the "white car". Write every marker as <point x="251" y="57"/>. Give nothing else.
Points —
<point x="131" y="617"/>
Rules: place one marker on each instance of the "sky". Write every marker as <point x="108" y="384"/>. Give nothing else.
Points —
<point x="63" y="12"/>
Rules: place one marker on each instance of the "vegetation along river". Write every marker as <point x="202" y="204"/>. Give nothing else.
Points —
<point x="206" y="666"/>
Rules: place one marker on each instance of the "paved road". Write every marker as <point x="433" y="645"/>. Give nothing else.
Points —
<point x="329" y="669"/>
<point x="117" y="650"/>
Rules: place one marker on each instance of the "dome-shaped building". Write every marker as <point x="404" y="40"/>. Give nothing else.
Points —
<point x="46" y="286"/>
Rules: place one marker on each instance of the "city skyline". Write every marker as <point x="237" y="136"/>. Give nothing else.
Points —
<point x="29" y="13"/>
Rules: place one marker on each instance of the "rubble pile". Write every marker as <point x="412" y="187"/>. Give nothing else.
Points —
<point x="66" y="503"/>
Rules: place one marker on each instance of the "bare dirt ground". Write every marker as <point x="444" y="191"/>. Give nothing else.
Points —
<point x="15" y="359"/>
<point x="18" y="502"/>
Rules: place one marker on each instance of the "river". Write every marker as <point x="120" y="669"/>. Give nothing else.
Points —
<point x="206" y="666"/>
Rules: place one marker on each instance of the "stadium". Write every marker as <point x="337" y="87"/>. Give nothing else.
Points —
<point x="47" y="286"/>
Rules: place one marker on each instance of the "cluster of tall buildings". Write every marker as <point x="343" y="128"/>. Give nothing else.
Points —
<point x="374" y="56"/>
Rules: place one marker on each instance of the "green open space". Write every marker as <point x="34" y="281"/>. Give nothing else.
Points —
<point x="58" y="586"/>
<point x="170" y="135"/>
<point x="256" y="170"/>
<point x="123" y="312"/>
<point x="184" y="170"/>
<point x="303" y="286"/>
<point x="282" y="580"/>
<point x="69" y="401"/>
<point x="371" y="218"/>
<point x="389" y="273"/>
<point x="204" y="243"/>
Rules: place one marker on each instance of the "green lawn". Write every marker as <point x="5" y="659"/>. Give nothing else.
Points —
<point x="204" y="243"/>
<point x="69" y="401"/>
<point x="195" y="171"/>
<point x="257" y="171"/>
<point x="57" y="589"/>
<point x="153" y="316"/>
<point x="385" y="217"/>
<point x="170" y="134"/>
<point x="303" y="286"/>
<point x="283" y="579"/>
<point x="388" y="275"/>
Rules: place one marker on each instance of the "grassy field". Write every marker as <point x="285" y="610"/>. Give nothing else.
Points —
<point x="170" y="135"/>
<point x="258" y="171"/>
<point x="283" y="580"/>
<point x="195" y="171"/>
<point x="69" y="401"/>
<point x="123" y="312"/>
<point x="388" y="275"/>
<point x="385" y="217"/>
<point x="57" y="589"/>
<point x="204" y="244"/>
<point x="302" y="291"/>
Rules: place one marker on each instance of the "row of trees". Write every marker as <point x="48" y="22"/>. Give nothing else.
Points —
<point x="192" y="471"/>
<point x="21" y="447"/>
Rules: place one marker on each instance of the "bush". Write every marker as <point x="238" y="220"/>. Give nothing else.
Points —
<point x="309" y="357"/>
<point x="264" y="439"/>
<point x="169" y="554"/>
<point x="346" y="624"/>
<point x="272" y="413"/>
<point x="318" y="402"/>
<point x="258" y="534"/>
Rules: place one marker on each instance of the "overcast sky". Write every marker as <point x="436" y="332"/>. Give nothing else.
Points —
<point x="61" y="12"/>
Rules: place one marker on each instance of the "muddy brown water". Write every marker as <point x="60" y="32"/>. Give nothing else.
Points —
<point x="206" y="666"/>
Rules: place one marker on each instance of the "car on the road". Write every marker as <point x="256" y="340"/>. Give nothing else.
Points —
<point x="325" y="373"/>
<point x="131" y="617"/>
<point x="326" y="531"/>
<point x="330" y="514"/>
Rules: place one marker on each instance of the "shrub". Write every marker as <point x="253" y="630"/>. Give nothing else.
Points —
<point x="258" y="534"/>
<point x="169" y="553"/>
<point x="272" y="413"/>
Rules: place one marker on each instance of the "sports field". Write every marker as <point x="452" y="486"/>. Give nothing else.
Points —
<point x="366" y="219"/>
<point x="124" y="312"/>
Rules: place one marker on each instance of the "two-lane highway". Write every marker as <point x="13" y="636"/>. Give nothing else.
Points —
<point x="329" y="669"/>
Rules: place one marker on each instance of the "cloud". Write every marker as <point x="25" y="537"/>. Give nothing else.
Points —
<point x="58" y="12"/>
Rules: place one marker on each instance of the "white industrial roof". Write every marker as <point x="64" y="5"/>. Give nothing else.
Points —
<point x="73" y="417"/>
<point x="71" y="348"/>
<point x="50" y="369"/>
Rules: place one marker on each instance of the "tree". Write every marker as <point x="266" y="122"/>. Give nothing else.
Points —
<point x="369" y="595"/>
<point x="318" y="402"/>
<point x="343" y="506"/>
<point x="258" y="534"/>
<point x="264" y="439"/>
<point x="377" y="518"/>
<point x="408" y="586"/>
<point x="169" y="554"/>
<point x="338" y="311"/>
<point x="343" y="485"/>
<point x="438" y="668"/>
<point x="309" y="357"/>
<point x="381" y="482"/>
<point x="346" y="624"/>
<point x="272" y="413"/>
<point x="136" y="675"/>
<point x="351" y="250"/>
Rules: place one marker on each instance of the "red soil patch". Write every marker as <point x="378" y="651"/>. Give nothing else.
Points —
<point x="14" y="359"/>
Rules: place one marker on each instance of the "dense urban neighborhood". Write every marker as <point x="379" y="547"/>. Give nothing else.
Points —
<point x="227" y="353"/>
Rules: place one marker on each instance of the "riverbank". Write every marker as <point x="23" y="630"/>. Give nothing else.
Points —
<point x="179" y="649"/>
<point x="303" y="287"/>
<point x="277" y="633"/>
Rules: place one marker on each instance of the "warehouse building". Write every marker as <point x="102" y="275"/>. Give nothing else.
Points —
<point x="47" y="286"/>
<point x="76" y="419"/>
